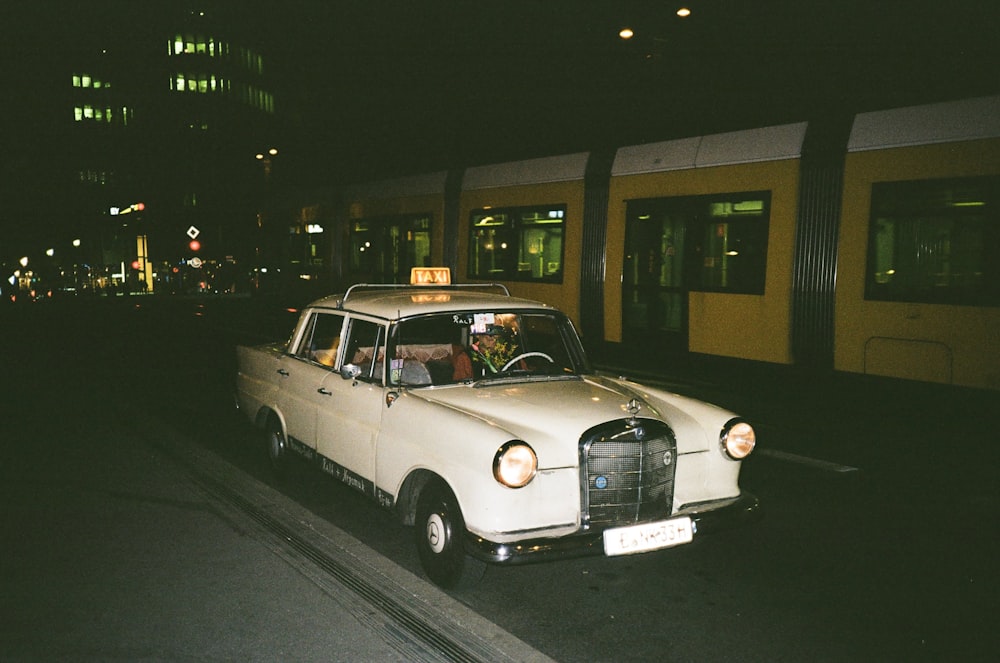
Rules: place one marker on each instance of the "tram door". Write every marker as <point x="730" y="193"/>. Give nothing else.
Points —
<point x="384" y="249"/>
<point x="654" y="294"/>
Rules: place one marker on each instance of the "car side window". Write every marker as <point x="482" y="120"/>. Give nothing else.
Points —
<point x="365" y="349"/>
<point x="302" y="348"/>
<point x="321" y="342"/>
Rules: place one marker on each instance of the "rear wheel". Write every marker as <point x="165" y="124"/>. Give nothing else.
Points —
<point x="440" y="530"/>
<point x="276" y="447"/>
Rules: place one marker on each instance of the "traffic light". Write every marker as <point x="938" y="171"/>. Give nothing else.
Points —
<point x="194" y="245"/>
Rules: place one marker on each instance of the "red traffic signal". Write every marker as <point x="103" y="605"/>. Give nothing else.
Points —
<point x="194" y="245"/>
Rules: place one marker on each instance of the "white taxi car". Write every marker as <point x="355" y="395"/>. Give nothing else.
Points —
<point x="476" y="416"/>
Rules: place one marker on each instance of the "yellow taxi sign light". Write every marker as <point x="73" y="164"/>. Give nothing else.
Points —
<point x="430" y="276"/>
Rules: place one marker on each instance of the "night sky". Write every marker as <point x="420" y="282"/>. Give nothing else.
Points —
<point x="481" y="82"/>
<point x="377" y="88"/>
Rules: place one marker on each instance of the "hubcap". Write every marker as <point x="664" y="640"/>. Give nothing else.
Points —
<point x="436" y="534"/>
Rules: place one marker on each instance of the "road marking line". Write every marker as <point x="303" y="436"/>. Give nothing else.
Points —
<point x="805" y="460"/>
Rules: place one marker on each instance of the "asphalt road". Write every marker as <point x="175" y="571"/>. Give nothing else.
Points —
<point x="882" y="505"/>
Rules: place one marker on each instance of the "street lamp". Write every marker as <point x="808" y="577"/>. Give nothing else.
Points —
<point x="265" y="160"/>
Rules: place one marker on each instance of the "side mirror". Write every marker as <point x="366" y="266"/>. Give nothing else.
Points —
<point x="350" y="371"/>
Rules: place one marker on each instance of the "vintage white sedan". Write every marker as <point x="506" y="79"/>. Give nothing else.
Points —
<point x="476" y="416"/>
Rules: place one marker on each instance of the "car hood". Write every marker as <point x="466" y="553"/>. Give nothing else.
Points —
<point x="551" y="415"/>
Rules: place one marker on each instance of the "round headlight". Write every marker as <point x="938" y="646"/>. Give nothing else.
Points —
<point x="515" y="464"/>
<point x="738" y="439"/>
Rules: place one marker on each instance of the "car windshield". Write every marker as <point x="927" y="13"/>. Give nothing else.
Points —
<point x="473" y="346"/>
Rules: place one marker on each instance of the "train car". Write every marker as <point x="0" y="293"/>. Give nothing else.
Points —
<point x="918" y="280"/>
<point x="862" y="243"/>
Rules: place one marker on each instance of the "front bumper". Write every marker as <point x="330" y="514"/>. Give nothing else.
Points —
<point x="707" y="517"/>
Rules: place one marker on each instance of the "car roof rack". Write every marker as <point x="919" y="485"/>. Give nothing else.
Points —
<point x="358" y="287"/>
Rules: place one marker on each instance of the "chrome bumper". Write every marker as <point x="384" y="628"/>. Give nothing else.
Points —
<point x="707" y="517"/>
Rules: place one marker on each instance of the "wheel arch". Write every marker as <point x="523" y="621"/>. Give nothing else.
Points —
<point x="409" y="493"/>
<point x="266" y="415"/>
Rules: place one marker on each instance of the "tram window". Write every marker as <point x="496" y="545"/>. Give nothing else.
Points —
<point x="733" y="250"/>
<point x="715" y="243"/>
<point x="935" y="241"/>
<point x="517" y="244"/>
<point x="384" y="249"/>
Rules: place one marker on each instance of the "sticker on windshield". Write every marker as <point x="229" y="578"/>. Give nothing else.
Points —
<point x="481" y="322"/>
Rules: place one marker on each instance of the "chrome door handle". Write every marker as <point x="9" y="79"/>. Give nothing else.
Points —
<point x="282" y="372"/>
<point x="325" y="391"/>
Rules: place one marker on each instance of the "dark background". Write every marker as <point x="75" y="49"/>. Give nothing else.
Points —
<point x="374" y="89"/>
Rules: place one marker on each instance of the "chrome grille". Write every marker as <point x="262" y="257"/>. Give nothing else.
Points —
<point x="627" y="472"/>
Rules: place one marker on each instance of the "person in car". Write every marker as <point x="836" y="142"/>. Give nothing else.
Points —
<point x="488" y="349"/>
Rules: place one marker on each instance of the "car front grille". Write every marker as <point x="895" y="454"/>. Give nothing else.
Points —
<point x="627" y="472"/>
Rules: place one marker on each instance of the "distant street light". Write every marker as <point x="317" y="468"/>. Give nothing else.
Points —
<point x="265" y="158"/>
<point x="24" y="261"/>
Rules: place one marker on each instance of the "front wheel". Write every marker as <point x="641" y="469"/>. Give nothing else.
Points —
<point x="439" y="532"/>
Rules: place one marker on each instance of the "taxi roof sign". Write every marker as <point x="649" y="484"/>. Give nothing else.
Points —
<point x="430" y="276"/>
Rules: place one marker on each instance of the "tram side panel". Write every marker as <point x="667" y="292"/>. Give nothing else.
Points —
<point x="749" y="322"/>
<point x="916" y="269"/>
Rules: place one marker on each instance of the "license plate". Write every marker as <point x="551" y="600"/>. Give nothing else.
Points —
<point x="648" y="536"/>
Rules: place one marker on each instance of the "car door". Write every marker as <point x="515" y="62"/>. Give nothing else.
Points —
<point x="349" y="416"/>
<point x="302" y="372"/>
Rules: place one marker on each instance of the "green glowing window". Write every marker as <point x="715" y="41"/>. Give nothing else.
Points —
<point x="517" y="243"/>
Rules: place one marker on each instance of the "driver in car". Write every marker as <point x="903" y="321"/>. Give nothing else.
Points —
<point x="489" y="349"/>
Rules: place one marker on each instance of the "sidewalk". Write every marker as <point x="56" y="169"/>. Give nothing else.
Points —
<point x="129" y="543"/>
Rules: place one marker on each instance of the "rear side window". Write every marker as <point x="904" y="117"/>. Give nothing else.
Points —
<point x="365" y="349"/>
<point x="320" y="343"/>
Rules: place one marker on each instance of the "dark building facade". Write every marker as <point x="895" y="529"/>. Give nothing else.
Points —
<point x="137" y="160"/>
